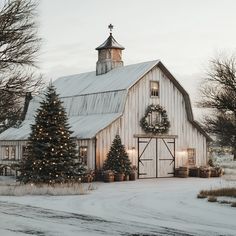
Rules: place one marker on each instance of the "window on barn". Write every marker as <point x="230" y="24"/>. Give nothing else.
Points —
<point x="83" y="153"/>
<point x="191" y="156"/>
<point x="9" y="153"/>
<point x="154" y="88"/>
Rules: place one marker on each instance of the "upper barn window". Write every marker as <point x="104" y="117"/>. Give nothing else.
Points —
<point x="154" y="88"/>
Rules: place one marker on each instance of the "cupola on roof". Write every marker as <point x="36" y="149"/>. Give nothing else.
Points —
<point x="110" y="42"/>
<point x="109" y="55"/>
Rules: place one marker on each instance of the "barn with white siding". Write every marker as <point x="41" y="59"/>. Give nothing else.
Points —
<point x="112" y="100"/>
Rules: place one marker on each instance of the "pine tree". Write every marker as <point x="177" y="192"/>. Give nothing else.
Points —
<point x="117" y="158"/>
<point x="51" y="155"/>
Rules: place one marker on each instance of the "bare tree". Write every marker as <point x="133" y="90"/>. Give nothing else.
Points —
<point x="19" y="46"/>
<point x="219" y="93"/>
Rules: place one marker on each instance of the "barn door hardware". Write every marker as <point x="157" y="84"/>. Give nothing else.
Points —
<point x="148" y="159"/>
<point x="169" y="142"/>
<point x="139" y="158"/>
<point x="171" y="173"/>
<point x="142" y="173"/>
<point x="169" y="151"/>
<point x="143" y="141"/>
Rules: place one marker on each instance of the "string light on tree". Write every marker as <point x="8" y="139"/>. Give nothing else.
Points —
<point x="117" y="158"/>
<point x="49" y="135"/>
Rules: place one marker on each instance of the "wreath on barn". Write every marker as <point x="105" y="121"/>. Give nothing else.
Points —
<point x="158" y="126"/>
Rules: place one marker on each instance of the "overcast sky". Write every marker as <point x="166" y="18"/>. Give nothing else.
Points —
<point x="183" y="34"/>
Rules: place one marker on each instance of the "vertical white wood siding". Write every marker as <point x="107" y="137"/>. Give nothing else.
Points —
<point x="91" y="144"/>
<point x="137" y="101"/>
<point x="19" y="148"/>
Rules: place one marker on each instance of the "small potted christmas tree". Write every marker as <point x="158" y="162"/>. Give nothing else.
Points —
<point x="118" y="160"/>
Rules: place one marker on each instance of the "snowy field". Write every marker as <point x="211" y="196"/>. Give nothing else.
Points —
<point x="144" y="207"/>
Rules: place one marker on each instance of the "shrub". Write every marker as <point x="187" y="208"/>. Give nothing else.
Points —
<point x="212" y="199"/>
<point x="45" y="189"/>
<point x="224" y="202"/>
<point x="201" y="196"/>
<point x="233" y="204"/>
<point x="221" y="192"/>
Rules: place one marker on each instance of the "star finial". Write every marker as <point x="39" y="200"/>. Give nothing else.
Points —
<point x="110" y="27"/>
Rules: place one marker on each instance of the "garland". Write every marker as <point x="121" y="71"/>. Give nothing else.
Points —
<point x="158" y="126"/>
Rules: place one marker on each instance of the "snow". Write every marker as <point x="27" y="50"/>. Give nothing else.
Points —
<point x="120" y="78"/>
<point x="18" y="133"/>
<point x="151" y="207"/>
<point x="110" y="43"/>
<point x="91" y="102"/>
<point x="83" y="127"/>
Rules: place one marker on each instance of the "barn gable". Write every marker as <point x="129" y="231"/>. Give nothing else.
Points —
<point x="175" y="100"/>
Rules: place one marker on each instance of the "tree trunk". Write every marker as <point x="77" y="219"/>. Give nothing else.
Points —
<point x="234" y="153"/>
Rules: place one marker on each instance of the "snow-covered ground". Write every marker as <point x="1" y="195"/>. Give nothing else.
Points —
<point x="144" y="207"/>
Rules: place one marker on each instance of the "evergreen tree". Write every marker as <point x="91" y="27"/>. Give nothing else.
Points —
<point x="51" y="155"/>
<point x="117" y="158"/>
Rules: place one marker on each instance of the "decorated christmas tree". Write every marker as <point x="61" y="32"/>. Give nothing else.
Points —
<point x="51" y="155"/>
<point x="117" y="158"/>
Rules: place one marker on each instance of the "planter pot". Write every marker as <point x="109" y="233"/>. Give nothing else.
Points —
<point x="108" y="178"/>
<point x="87" y="179"/>
<point x="98" y="175"/>
<point x="119" y="177"/>
<point x="132" y="176"/>
<point x="216" y="172"/>
<point x="194" y="172"/>
<point x="126" y="178"/>
<point x="220" y="172"/>
<point x="181" y="172"/>
<point x="205" y="173"/>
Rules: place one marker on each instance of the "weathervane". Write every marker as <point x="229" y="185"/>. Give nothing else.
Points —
<point x="111" y="28"/>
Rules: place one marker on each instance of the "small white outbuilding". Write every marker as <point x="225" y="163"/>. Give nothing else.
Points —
<point x="113" y="100"/>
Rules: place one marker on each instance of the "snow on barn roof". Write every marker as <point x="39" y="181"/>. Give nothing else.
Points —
<point x="83" y="127"/>
<point x="110" y="43"/>
<point x="120" y="78"/>
<point x="92" y="102"/>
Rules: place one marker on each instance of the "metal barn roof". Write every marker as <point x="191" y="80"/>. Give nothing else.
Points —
<point x="94" y="102"/>
<point x="110" y="43"/>
<point x="120" y="78"/>
<point x="91" y="102"/>
<point x="83" y="127"/>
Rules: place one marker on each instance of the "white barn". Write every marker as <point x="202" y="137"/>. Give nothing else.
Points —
<point x="112" y="100"/>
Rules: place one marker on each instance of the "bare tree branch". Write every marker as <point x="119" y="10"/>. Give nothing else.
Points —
<point x="219" y="93"/>
<point x="19" y="47"/>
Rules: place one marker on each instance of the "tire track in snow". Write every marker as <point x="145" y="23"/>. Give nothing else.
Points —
<point x="28" y="220"/>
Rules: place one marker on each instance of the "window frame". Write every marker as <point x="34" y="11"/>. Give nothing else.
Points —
<point x="154" y="94"/>
<point x="191" y="154"/>
<point x="9" y="153"/>
<point x="83" y="158"/>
